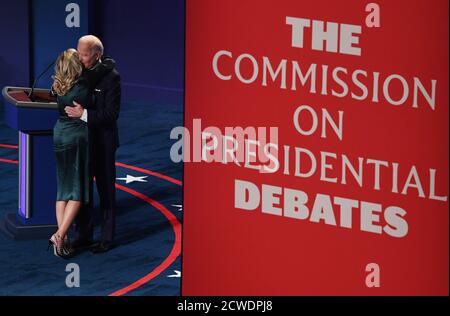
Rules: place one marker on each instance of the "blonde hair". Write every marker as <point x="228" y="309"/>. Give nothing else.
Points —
<point x="68" y="69"/>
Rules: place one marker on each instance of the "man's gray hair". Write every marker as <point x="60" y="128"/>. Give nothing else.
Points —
<point x="94" y="41"/>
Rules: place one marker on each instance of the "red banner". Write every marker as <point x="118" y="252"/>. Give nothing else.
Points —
<point x="347" y="194"/>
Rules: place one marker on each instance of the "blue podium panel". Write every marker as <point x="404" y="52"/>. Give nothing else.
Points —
<point x="29" y="119"/>
<point x="22" y="114"/>
<point x="34" y="120"/>
<point x="37" y="178"/>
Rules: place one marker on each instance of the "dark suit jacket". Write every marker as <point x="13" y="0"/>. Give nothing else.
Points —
<point x="102" y="118"/>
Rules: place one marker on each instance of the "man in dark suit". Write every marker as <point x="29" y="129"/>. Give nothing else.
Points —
<point x="104" y="140"/>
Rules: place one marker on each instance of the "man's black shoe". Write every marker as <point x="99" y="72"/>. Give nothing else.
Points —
<point x="101" y="247"/>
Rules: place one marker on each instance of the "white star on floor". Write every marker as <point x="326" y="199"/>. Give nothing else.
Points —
<point x="180" y="207"/>
<point x="176" y="275"/>
<point x="130" y="179"/>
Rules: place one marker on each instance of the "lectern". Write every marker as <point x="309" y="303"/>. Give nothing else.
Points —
<point x="34" y="120"/>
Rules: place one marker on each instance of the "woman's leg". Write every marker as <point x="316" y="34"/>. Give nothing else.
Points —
<point x="70" y="212"/>
<point x="60" y="207"/>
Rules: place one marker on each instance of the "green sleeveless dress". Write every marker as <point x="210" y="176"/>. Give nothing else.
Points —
<point x="71" y="137"/>
<point x="71" y="146"/>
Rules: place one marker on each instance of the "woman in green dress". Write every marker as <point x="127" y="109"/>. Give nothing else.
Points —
<point x="71" y="145"/>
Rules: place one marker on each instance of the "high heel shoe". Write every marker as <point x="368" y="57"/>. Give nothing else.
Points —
<point x="67" y="243"/>
<point x="59" y="248"/>
<point x="52" y="243"/>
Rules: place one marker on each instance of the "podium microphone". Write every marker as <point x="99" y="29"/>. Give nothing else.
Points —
<point x="30" y="95"/>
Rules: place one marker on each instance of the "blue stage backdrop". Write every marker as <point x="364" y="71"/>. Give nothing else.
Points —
<point x="145" y="37"/>
<point x="14" y="50"/>
<point x="147" y="40"/>
<point x="55" y="27"/>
